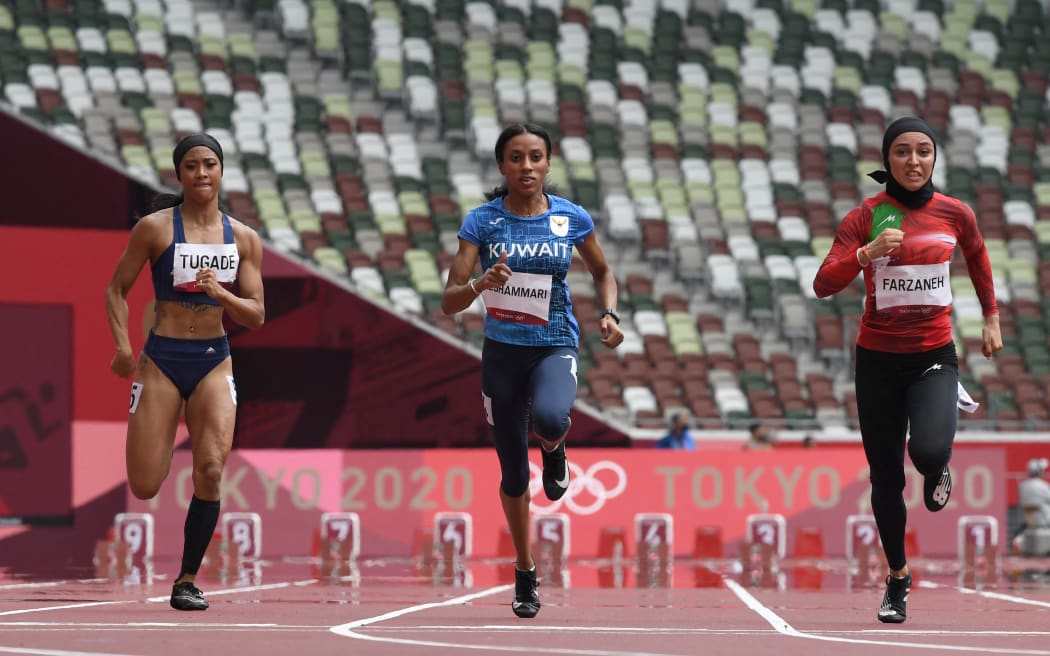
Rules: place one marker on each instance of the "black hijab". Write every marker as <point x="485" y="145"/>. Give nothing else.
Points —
<point x="922" y="195"/>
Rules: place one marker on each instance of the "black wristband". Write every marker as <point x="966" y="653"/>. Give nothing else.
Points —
<point x="611" y="313"/>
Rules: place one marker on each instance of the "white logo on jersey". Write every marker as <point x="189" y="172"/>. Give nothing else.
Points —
<point x="559" y="225"/>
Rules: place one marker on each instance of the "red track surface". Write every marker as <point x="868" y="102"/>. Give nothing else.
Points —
<point x="386" y="607"/>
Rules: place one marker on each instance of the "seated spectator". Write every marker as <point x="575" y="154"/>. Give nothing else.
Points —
<point x="678" y="436"/>
<point x="761" y="437"/>
<point x="1033" y="495"/>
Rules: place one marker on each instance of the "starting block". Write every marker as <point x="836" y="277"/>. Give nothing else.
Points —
<point x="767" y="532"/>
<point x="654" y="534"/>
<point x="454" y="534"/>
<point x="764" y="547"/>
<point x="340" y="535"/>
<point x="862" y="536"/>
<point x="864" y="551"/>
<point x="978" y="547"/>
<point x="654" y="540"/>
<point x="551" y="533"/>
<point x="135" y="532"/>
<point x="127" y="552"/>
<point x="242" y="535"/>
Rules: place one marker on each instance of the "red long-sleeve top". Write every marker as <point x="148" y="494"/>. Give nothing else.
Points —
<point x="908" y="303"/>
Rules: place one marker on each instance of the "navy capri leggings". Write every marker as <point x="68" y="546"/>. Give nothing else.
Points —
<point x="525" y="387"/>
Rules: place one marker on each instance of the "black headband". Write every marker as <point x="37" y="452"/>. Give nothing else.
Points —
<point x="922" y="195"/>
<point x="192" y="141"/>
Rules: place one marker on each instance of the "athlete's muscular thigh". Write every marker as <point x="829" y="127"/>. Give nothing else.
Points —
<point x="152" y="423"/>
<point x="211" y="413"/>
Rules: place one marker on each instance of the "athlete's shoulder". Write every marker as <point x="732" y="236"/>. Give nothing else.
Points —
<point x="243" y="232"/>
<point x="873" y="201"/>
<point x="953" y="202"/>
<point x="561" y="205"/>
<point x="157" y="224"/>
<point x="486" y="209"/>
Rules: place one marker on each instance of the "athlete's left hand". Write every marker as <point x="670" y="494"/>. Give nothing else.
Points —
<point x="612" y="336"/>
<point x="991" y="336"/>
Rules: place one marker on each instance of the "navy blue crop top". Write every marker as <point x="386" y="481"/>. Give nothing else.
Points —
<point x="183" y="260"/>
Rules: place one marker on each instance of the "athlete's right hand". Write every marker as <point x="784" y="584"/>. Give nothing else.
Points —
<point x="496" y="275"/>
<point x="123" y="364"/>
<point x="885" y="243"/>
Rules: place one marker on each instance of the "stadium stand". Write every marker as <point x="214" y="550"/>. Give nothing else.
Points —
<point x="717" y="143"/>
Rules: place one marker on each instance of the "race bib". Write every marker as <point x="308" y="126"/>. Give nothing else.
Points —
<point x="916" y="284"/>
<point x="191" y="258"/>
<point x="526" y="298"/>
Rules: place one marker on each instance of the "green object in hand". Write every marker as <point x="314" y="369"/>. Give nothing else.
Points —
<point x="884" y="216"/>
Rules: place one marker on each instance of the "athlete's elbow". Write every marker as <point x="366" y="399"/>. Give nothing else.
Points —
<point x="447" y="306"/>
<point x="256" y="320"/>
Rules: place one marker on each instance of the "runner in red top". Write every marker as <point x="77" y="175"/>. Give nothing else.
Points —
<point x="907" y="370"/>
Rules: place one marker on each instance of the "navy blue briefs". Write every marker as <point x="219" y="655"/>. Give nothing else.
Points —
<point x="186" y="361"/>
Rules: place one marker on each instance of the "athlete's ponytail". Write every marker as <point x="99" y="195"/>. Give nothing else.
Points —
<point x="165" y="200"/>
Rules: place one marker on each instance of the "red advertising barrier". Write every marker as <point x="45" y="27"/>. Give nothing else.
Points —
<point x="396" y="493"/>
<point x="36" y="413"/>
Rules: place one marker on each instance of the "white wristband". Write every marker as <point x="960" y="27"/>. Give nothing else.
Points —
<point x="471" y="283"/>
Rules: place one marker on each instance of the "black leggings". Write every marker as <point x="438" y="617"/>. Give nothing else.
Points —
<point x="522" y="385"/>
<point x="897" y="392"/>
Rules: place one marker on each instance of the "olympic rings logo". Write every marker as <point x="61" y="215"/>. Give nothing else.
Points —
<point x="588" y="490"/>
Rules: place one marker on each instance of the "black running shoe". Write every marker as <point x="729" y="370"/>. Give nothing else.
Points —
<point x="526" y="599"/>
<point x="186" y="596"/>
<point x="555" y="472"/>
<point x="892" y="609"/>
<point x="936" y="490"/>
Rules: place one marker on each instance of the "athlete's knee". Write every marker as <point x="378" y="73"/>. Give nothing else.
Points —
<point x="887" y="482"/>
<point x="515" y="487"/>
<point x="928" y="456"/>
<point x="207" y="476"/>
<point x="515" y="481"/>
<point x="143" y="489"/>
<point x="548" y="423"/>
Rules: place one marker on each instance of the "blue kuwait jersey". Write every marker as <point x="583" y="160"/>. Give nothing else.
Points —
<point x="535" y="245"/>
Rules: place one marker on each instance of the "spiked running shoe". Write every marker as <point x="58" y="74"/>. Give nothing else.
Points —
<point x="893" y="602"/>
<point x="526" y="600"/>
<point x="936" y="490"/>
<point x="186" y="596"/>
<point x="555" y="472"/>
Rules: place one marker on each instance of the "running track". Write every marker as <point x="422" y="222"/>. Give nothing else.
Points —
<point x="387" y="608"/>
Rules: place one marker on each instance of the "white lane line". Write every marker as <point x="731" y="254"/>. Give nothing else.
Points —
<point x="988" y="595"/>
<point x="54" y="652"/>
<point x="347" y="631"/>
<point x="166" y="625"/>
<point x="247" y="588"/>
<point x="783" y="627"/>
<point x="44" y="609"/>
<point x="37" y="584"/>
<point x="154" y="600"/>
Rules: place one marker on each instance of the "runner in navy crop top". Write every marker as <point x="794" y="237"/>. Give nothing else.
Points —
<point x="196" y="254"/>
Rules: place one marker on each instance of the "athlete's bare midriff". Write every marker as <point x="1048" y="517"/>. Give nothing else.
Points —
<point x="188" y="320"/>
